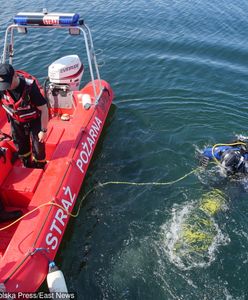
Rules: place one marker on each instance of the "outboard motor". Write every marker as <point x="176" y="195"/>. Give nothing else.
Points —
<point x="64" y="76"/>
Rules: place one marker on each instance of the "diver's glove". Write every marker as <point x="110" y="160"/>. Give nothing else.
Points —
<point x="203" y="160"/>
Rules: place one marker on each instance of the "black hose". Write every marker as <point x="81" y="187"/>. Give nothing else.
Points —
<point x="45" y="92"/>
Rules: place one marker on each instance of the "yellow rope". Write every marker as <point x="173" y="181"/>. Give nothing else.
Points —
<point x="133" y="183"/>
<point x="96" y="187"/>
<point x="30" y="212"/>
<point x="150" y="183"/>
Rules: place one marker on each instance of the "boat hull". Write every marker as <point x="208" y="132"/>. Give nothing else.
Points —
<point x="36" y="239"/>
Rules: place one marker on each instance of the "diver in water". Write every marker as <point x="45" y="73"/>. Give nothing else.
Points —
<point x="235" y="162"/>
<point x="233" y="158"/>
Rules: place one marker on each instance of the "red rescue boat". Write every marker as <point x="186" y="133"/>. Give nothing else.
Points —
<point x="77" y="119"/>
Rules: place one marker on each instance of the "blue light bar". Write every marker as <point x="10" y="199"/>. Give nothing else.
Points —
<point x="48" y="19"/>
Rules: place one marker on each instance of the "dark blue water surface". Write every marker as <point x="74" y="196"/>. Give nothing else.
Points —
<point x="179" y="70"/>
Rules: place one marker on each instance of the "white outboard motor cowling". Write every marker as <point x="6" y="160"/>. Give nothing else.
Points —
<point x="66" y="70"/>
<point x="64" y="77"/>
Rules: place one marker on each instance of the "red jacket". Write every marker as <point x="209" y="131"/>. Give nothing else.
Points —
<point x="23" y="110"/>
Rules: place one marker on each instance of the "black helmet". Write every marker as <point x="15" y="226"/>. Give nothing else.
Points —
<point x="232" y="161"/>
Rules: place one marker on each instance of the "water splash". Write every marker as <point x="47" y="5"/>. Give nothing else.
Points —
<point x="192" y="236"/>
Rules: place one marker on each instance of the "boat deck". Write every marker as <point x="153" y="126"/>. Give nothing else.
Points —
<point x="18" y="184"/>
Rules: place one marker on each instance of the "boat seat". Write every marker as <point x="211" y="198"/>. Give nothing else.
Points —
<point x="19" y="186"/>
<point x="66" y="143"/>
<point x="54" y="136"/>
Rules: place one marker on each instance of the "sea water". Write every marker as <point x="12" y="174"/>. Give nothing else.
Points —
<point x="179" y="70"/>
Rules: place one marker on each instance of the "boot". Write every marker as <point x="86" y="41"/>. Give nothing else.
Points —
<point x="39" y="164"/>
<point x="27" y="162"/>
<point x="9" y="215"/>
<point x="14" y="157"/>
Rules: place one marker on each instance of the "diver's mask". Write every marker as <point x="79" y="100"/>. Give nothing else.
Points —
<point x="232" y="161"/>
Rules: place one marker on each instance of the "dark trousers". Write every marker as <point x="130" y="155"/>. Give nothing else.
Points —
<point x="25" y="133"/>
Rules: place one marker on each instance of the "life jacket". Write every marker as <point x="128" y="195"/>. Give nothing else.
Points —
<point x="22" y="110"/>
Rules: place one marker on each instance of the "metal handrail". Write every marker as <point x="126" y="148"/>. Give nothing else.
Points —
<point x="88" y="45"/>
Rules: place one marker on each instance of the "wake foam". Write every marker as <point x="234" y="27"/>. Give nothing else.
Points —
<point x="190" y="238"/>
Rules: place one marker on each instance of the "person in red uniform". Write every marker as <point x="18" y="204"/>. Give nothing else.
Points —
<point x="27" y="113"/>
